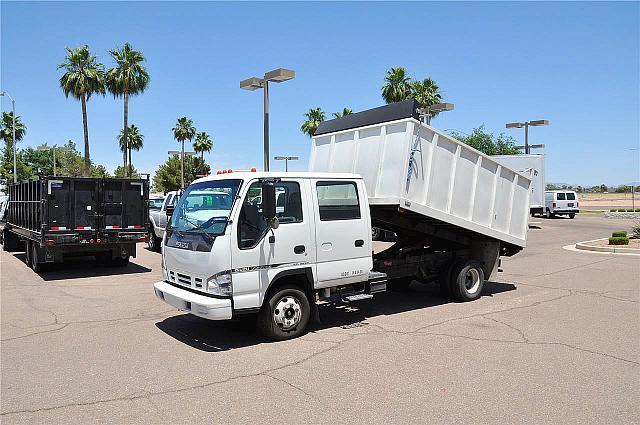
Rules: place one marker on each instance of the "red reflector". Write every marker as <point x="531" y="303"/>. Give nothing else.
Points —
<point x="229" y="171"/>
<point x="224" y="171"/>
<point x="401" y="210"/>
<point x="137" y="226"/>
<point x="55" y="228"/>
<point x="219" y="172"/>
<point x="49" y="242"/>
<point x="253" y="169"/>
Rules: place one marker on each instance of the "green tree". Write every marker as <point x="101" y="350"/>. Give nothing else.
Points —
<point x="122" y="172"/>
<point x="427" y="93"/>
<point x="128" y="77"/>
<point x="6" y="133"/>
<point x="40" y="161"/>
<point x="183" y="131"/>
<point x="314" y="117"/>
<point x="168" y="175"/>
<point x="202" y="144"/>
<point x="83" y="77"/>
<point x="397" y="85"/>
<point x="99" y="171"/>
<point x="136" y="141"/>
<point x="343" y="113"/>
<point x="487" y="142"/>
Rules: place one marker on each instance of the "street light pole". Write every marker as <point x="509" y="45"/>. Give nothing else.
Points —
<point x="286" y="160"/>
<point x="277" y="75"/>
<point x="436" y="107"/>
<point x="13" y="134"/>
<point x="526" y="124"/>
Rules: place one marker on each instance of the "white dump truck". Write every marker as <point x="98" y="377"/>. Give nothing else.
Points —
<point x="289" y="241"/>
<point x="531" y="165"/>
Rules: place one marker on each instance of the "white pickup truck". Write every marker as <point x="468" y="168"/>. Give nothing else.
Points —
<point x="287" y="241"/>
<point x="158" y="220"/>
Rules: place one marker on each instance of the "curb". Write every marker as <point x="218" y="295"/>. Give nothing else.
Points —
<point x="614" y="250"/>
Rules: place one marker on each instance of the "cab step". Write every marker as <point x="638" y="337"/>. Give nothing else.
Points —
<point x="357" y="297"/>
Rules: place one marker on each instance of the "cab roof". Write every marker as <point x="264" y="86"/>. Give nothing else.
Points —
<point x="250" y="175"/>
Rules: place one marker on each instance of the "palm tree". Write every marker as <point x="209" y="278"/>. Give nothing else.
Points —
<point x="128" y="77"/>
<point x="6" y="133"/>
<point x="83" y="76"/>
<point x="135" y="142"/>
<point x="314" y="117"/>
<point x="398" y="85"/>
<point x="344" y="113"/>
<point x="427" y="93"/>
<point x="202" y="144"/>
<point x="184" y="130"/>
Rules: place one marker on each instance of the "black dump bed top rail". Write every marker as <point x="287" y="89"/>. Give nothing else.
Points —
<point x="59" y="206"/>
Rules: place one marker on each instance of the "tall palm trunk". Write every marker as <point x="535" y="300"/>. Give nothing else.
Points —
<point x="182" y="165"/>
<point x="130" y="163"/>
<point x="127" y="161"/>
<point x="87" y="158"/>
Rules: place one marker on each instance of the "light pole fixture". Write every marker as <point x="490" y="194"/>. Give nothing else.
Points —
<point x="286" y="160"/>
<point x="277" y="76"/>
<point x="53" y="148"/>
<point x="13" y="134"/>
<point x="526" y="124"/>
<point x="182" y="155"/>
<point x="435" y="108"/>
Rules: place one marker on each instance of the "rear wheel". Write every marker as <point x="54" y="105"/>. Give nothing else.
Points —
<point x="36" y="265"/>
<point x="572" y="215"/>
<point x="154" y="241"/>
<point x="285" y="315"/>
<point x="467" y="280"/>
<point x="549" y="214"/>
<point x="27" y="253"/>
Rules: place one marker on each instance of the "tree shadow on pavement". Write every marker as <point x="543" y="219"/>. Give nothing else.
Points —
<point x="80" y="267"/>
<point x="214" y="336"/>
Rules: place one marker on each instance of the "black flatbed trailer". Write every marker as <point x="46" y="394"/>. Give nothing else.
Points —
<point x="52" y="218"/>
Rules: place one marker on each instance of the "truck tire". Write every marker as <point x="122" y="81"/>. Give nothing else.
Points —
<point x="572" y="215"/>
<point x="120" y="261"/>
<point x="548" y="214"/>
<point x="27" y="252"/>
<point x="467" y="280"/>
<point x="36" y="265"/>
<point x="444" y="279"/>
<point x="376" y="234"/>
<point x="285" y="314"/>
<point x="154" y="241"/>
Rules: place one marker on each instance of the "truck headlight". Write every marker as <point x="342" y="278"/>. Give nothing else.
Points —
<point x="220" y="284"/>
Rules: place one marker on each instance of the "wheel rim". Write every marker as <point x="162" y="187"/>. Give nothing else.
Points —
<point x="287" y="313"/>
<point x="152" y="241"/>
<point x="472" y="280"/>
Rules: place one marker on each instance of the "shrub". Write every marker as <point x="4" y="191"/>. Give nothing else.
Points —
<point x="629" y="209"/>
<point x="637" y="209"/>
<point x="619" y="240"/>
<point x="619" y="234"/>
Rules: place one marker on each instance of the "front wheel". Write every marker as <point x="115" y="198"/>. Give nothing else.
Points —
<point x="285" y="315"/>
<point x="467" y="280"/>
<point x="548" y="214"/>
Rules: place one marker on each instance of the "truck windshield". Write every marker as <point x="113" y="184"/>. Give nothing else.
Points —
<point x="205" y="206"/>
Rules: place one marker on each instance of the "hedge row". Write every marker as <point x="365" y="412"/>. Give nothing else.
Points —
<point x="619" y="240"/>
<point x="624" y="210"/>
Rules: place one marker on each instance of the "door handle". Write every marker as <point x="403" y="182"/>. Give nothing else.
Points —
<point x="359" y="243"/>
<point x="299" y="249"/>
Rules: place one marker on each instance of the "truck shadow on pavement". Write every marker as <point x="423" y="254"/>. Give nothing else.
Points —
<point x="211" y="336"/>
<point x="81" y="267"/>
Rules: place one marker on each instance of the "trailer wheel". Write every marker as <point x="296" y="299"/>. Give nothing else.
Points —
<point x="285" y="315"/>
<point x="444" y="279"/>
<point x="154" y="241"/>
<point x="36" y="265"/>
<point x="467" y="280"/>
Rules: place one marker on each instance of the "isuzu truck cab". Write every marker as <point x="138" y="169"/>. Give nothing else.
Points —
<point x="278" y="244"/>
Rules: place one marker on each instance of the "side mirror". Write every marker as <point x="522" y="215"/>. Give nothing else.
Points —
<point x="169" y="210"/>
<point x="269" y="204"/>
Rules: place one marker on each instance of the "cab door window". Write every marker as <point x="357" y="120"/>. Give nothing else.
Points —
<point x="252" y="227"/>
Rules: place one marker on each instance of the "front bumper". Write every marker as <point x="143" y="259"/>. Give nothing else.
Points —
<point x="199" y="305"/>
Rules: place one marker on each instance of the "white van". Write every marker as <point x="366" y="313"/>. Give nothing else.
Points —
<point x="561" y="202"/>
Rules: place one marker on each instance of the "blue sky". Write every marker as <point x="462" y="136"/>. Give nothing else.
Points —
<point x="575" y="64"/>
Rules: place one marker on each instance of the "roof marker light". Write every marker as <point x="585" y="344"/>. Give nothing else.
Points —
<point x="254" y="169"/>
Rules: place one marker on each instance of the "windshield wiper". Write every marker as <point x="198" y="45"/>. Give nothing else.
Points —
<point x="198" y="227"/>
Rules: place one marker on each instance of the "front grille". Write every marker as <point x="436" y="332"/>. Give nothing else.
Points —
<point x="184" y="279"/>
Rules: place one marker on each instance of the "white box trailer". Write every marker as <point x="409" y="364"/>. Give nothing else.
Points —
<point x="531" y="165"/>
<point x="409" y="166"/>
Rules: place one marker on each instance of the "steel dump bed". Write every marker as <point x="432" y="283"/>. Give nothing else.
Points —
<point x="411" y="167"/>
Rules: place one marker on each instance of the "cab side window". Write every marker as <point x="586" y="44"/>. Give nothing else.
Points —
<point x="561" y="197"/>
<point x="338" y="200"/>
<point x="252" y="226"/>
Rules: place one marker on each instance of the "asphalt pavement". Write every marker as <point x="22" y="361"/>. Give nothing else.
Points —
<point x="554" y="340"/>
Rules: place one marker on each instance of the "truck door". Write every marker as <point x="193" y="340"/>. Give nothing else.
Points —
<point x="258" y="254"/>
<point x="343" y="232"/>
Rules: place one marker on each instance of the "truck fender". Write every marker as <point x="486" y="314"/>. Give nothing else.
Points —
<point x="152" y="224"/>
<point x="302" y="277"/>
